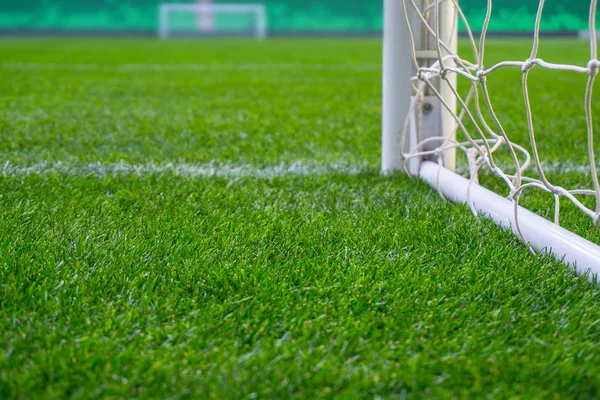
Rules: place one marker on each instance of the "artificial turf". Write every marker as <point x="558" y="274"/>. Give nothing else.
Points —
<point x="206" y="219"/>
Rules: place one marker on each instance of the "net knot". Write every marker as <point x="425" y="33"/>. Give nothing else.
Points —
<point x="513" y="195"/>
<point x="528" y="65"/>
<point x="480" y="74"/>
<point x="444" y="73"/>
<point x="593" y="66"/>
<point x="481" y="160"/>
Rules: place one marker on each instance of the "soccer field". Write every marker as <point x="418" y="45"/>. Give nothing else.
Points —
<point x="207" y="219"/>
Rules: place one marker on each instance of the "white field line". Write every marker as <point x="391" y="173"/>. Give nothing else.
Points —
<point x="188" y="67"/>
<point x="219" y="169"/>
<point x="212" y="169"/>
<point x="548" y="167"/>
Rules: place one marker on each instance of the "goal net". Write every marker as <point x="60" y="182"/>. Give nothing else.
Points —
<point x="439" y="119"/>
<point x="212" y="20"/>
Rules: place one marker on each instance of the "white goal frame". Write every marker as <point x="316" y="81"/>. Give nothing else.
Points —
<point x="430" y="119"/>
<point x="258" y="10"/>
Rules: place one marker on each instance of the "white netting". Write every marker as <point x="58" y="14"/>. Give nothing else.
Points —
<point x="482" y="139"/>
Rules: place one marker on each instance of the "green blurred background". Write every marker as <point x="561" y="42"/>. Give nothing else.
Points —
<point x="284" y="16"/>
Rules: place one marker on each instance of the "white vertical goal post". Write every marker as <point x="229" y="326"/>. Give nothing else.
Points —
<point x="420" y="121"/>
<point x="204" y="19"/>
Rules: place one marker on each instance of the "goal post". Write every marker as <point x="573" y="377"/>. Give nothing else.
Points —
<point x="205" y="19"/>
<point x="406" y="49"/>
<point x="208" y="19"/>
<point x="420" y="120"/>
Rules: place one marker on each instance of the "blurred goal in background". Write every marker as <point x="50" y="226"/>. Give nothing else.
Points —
<point x="423" y="111"/>
<point x="212" y="20"/>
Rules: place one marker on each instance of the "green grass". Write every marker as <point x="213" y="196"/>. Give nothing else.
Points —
<point x="221" y="230"/>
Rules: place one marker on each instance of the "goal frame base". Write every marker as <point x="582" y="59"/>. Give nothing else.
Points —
<point x="541" y="235"/>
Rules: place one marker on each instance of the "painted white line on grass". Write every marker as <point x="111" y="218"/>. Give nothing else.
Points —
<point x="220" y="169"/>
<point x="189" y="67"/>
<point x="568" y="167"/>
<point x="548" y="167"/>
<point x="212" y="169"/>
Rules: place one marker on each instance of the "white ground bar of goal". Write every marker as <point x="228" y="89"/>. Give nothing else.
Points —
<point x="542" y="235"/>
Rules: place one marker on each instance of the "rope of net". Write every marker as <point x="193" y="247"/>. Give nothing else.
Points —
<point x="480" y="145"/>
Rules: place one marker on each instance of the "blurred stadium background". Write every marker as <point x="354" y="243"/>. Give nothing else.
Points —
<point x="286" y="17"/>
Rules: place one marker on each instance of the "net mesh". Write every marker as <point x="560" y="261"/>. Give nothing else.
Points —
<point x="479" y="124"/>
